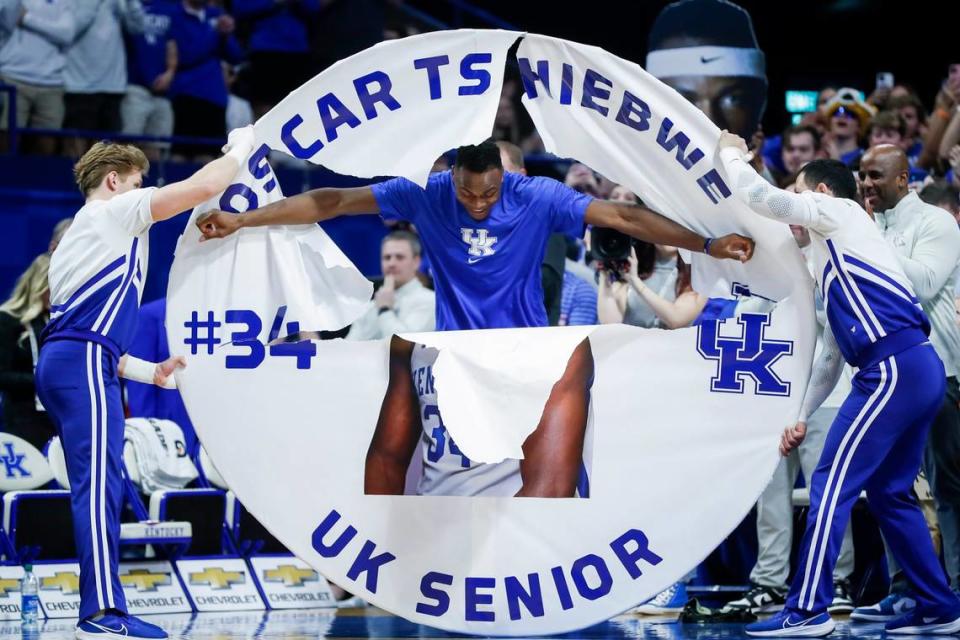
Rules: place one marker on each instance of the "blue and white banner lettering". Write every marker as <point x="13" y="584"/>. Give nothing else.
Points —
<point x="680" y="434"/>
<point x="619" y="120"/>
<point x="421" y="96"/>
<point x="245" y="274"/>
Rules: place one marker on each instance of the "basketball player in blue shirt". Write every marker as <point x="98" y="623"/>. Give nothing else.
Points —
<point x="877" y="440"/>
<point x="484" y="232"/>
<point x="96" y="278"/>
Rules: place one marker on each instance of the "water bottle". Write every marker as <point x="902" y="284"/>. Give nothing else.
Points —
<point x="29" y="601"/>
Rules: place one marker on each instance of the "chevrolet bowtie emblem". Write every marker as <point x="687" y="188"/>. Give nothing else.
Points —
<point x="217" y="578"/>
<point x="290" y="575"/>
<point x="144" y="579"/>
<point x="6" y="586"/>
<point x="66" y="581"/>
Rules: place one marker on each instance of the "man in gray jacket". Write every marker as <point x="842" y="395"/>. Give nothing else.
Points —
<point x="926" y="239"/>
<point x="33" y="37"/>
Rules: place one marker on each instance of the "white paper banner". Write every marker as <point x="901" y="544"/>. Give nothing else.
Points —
<point x="300" y="265"/>
<point x="619" y="120"/>
<point x="420" y="96"/>
<point x="683" y="426"/>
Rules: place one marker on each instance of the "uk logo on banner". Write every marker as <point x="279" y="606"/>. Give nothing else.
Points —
<point x="749" y="355"/>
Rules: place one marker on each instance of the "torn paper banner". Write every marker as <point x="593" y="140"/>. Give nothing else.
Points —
<point x="681" y="432"/>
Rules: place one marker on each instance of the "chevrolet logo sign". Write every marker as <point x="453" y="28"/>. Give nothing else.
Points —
<point x="290" y="575"/>
<point x="6" y="586"/>
<point x="217" y="578"/>
<point x="66" y="581"/>
<point x="144" y="579"/>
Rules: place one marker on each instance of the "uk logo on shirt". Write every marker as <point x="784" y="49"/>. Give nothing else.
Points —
<point x="481" y="244"/>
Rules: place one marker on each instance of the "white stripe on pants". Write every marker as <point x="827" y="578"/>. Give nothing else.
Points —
<point x="775" y="509"/>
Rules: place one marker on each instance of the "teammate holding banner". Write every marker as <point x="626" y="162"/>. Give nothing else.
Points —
<point x="96" y="278"/>
<point x="484" y="231"/>
<point x="877" y="440"/>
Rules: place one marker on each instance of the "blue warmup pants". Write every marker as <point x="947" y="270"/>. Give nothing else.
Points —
<point x="876" y="443"/>
<point x="77" y="383"/>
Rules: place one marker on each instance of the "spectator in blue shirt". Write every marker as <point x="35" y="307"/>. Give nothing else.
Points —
<point x="278" y="46"/>
<point x="204" y="37"/>
<point x="151" y="65"/>
<point x="578" y="302"/>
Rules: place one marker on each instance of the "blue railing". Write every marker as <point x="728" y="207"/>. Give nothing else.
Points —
<point x="15" y="133"/>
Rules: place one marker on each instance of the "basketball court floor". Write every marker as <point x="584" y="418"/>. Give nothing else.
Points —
<point x="374" y="623"/>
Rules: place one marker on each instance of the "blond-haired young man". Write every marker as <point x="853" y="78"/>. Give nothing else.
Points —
<point x="96" y="278"/>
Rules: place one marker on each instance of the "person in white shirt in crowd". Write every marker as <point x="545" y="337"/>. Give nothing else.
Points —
<point x="655" y="270"/>
<point x="926" y="240"/>
<point x="34" y="35"/>
<point x="775" y="506"/>
<point x="239" y="110"/>
<point x="402" y="303"/>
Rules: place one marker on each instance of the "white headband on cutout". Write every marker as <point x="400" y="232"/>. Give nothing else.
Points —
<point x="707" y="61"/>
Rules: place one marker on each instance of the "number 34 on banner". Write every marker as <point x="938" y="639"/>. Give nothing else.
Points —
<point x="244" y="328"/>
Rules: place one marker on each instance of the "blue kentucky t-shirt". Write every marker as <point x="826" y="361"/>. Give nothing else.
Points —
<point x="486" y="273"/>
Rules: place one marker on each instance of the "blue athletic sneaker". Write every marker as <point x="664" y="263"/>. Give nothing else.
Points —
<point x="125" y="627"/>
<point x="893" y="606"/>
<point x="916" y="623"/>
<point x="791" y="623"/>
<point x="670" y="600"/>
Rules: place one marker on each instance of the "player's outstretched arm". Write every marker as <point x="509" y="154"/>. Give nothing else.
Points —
<point x="207" y="182"/>
<point x="398" y="428"/>
<point x="553" y="454"/>
<point x="307" y="208"/>
<point x="758" y="194"/>
<point x="644" y="224"/>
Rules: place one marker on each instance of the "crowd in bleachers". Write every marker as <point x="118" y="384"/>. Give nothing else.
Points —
<point x="162" y="68"/>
